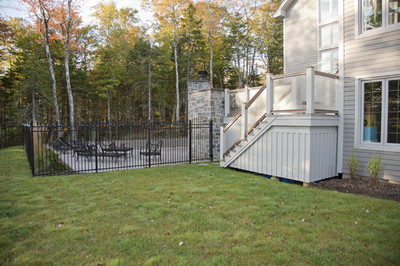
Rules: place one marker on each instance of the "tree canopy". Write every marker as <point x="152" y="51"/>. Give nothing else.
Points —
<point x="55" y="68"/>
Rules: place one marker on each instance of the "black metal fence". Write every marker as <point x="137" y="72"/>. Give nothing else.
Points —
<point x="10" y="134"/>
<point x="97" y="147"/>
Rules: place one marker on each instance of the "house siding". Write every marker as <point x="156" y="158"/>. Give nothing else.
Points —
<point x="301" y="36"/>
<point x="366" y="56"/>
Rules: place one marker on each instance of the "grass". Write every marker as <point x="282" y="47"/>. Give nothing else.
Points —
<point x="221" y="216"/>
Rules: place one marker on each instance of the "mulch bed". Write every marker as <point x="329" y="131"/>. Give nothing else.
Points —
<point x="362" y="186"/>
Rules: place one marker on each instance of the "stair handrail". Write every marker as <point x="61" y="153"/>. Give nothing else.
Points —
<point x="252" y="100"/>
<point x="239" y="114"/>
<point x="234" y="119"/>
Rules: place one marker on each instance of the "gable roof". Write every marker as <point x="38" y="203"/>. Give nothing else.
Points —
<point x="280" y="13"/>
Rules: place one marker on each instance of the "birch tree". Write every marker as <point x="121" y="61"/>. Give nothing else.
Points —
<point x="41" y="9"/>
<point x="66" y="27"/>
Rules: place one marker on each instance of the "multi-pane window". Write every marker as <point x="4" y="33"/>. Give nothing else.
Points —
<point x="328" y="36"/>
<point x="379" y="13"/>
<point x="381" y="111"/>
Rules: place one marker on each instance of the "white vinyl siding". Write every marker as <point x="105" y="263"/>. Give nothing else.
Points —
<point x="301" y="36"/>
<point x="366" y="57"/>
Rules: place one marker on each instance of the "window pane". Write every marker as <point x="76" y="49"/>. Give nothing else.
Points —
<point x="394" y="112"/>
<point x="325" y="10"/>
<point x="329" y="35"/>
<point x="335" y="8"/>
<point x="372" y="14"/>
<point x="394" y="11"/>
<point x="372" y="111"/>
<point x="335" y="61"/>
<point x="326" y="35"/>
<point x="335" y="33"/>
<point x="325" y="62"/>
<point x="329" y="10"/>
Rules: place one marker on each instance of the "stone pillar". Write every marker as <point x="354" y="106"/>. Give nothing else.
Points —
<point x="204" y="104"/>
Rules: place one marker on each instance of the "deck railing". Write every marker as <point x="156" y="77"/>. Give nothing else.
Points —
<point x="309" y="92"/>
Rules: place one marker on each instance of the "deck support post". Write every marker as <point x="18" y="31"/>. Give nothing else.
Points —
<point x="269" y="94"/>
<point x="247" y="93"/>
<point x="221" y="144"/>
<point x="227" y="102"/>
<point x="244" y="121"/>
<point x="310" y="90"/>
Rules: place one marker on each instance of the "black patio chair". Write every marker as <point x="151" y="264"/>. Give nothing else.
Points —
<point x="151" y="149"/>
<point x="88" y="150"/>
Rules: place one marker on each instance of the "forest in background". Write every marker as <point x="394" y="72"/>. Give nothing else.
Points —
<point x="56" y="69"/>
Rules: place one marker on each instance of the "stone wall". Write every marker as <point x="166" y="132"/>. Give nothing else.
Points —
<point x="205" y="104"/>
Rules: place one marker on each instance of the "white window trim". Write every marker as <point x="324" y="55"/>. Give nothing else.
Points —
<point x="358" y="142"/>
<point x="386" y="27"/>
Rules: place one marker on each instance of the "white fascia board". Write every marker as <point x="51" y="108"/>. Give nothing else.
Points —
<point x="280" y="13"/>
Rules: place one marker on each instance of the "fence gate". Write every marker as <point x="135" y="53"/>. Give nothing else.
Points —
<point x="96" y="147"/>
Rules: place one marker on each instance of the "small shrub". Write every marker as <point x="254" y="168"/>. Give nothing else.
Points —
<point x="354" y="165"/>
<point x="374" y="167"/>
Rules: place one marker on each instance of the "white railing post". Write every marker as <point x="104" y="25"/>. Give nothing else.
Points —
<point x="227" y="102"/>
<point x="310" y="90"/>
<point x="244" y="121"/>
<point x="222" y="143"/>
<point x="269" y="94"/>
<point x="247" y="93"/>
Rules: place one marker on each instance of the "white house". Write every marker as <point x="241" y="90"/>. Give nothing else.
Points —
<point x="340" y="91"/>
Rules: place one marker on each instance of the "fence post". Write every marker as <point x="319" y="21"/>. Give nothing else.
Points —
<point x="96" y="143"/>
<point x="211" y="140"/>
<point x="244" y="121"/>
<point x="227" y="102"/>
<point x="32" y="150"/>
<point x="148" y="142"/>
<point x="310" y="90"/>
<point x="190" y="141"/>
<point x="269" y="94"/>
<point x="221" y="143"/>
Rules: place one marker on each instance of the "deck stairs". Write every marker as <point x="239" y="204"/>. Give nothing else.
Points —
<point x="251" y="134"/>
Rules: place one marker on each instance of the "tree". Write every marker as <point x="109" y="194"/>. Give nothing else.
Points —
<point x="117" y="33"/>
<point x="168" y="11"/>
<point x="42" y="10"/>
<point x="66" y="27"/>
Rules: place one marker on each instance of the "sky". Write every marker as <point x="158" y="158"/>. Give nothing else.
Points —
<point x="13" y="8"/>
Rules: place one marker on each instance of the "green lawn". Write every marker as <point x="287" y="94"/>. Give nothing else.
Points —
<point x="186" y="214"/>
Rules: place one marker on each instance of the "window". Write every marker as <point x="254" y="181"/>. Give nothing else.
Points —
<point x="328" y="36"/>
<point x="329" y="62"/>
<point x="381" y="111"/>
<point x="394" y="11"/>
<point x="328" y="10"/>
<point x="379" y="14"/>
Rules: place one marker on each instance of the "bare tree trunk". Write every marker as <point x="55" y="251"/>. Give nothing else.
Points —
<point x="68" y="80"/>
<point x="45" y="20"/>
<point x="176" y="63"/>
<point x="33" y="106"/>
<point x="149" y="96"/>
<point x="210" y="32"/>
<point x="238" y="65"/>
<point x="109" y="115"/>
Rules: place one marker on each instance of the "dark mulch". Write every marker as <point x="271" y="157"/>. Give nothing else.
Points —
<point x="362" y="186"/>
